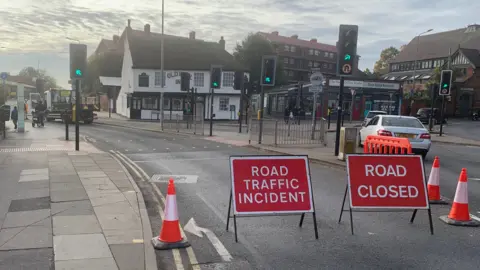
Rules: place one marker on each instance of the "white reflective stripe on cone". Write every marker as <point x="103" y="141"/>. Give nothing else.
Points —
<point x="461" y="195"/>
<point x="171" y="213"/>
<point x="434" y="178"/>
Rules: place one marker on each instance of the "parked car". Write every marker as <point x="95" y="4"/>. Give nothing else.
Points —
<point x="399" y="126"/>
<point x="423" y="114"/>
<point x="370" y="115"/>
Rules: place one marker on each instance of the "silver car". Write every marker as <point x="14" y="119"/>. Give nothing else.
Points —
<point x="399" y="126"/>
<point x="370" y="115"/>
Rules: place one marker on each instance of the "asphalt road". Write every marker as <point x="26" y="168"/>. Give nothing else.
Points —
<point x="381" y="240"/>
<point x="463" y="128"/>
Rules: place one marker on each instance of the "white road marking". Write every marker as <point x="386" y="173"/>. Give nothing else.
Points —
<point x="179" y="179"/>
<point x="218" y="145"/>
<point x="192" y="227"/>
<point x="475" y="217"/>
<point x="140" y="150"/>
<point x="167" y="148"/>
<point x="193" y="147"/>
<point x="205" y="147"/>
<point x="474" y="179"/>
<point x="177" y="159"/>
<point x="139" y="172"/>
<point x="154" y="149"/>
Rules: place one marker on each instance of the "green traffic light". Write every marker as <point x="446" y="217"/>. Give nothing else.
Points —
<point x="445" y="85"/>
<point x="215" y="84"/>
<point x="267" y="79"/>
<point x="78" y="72"/>
<point x="347" y="56"/>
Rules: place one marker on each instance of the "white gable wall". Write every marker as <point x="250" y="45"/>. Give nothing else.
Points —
<point x="127" y="82"/>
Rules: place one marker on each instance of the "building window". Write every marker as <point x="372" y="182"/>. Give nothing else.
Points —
<point x="285" y="60"/>
<point x="281" y="103"/>
<point x="292" y="61"/>
<point x="316" y="64"/>
<point x="325" y="65"/>
<point x="228" y="78"/>
<point x="166" y="103"/>
<point x="143" y="80"/>
<point x="149" y="103"/>
<point x="330" y="66"/>
<point x="158" y="78"/>
<point x="331" y="55"/>
<point x="292" y="48"/>
<point x="310" y="63"/>
<point x="325" y="54"/>
<point x="285" y="72"/>
<point x="176" y="104"/>
<point x="310" y="52"/>
<point x="198" y="79"/>
<point x="287" y="48"/>
<point x="224" y="102"/>
<point x="290" y="73"/>
<point x="317" y="53"/>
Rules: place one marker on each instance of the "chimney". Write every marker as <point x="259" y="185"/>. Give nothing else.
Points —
<point x="222" y="42"/>
<point x="128" y="23"/>
<point x="115" y="38"/>
<point x="275" y="33"/>
<point x="146" y="28"/>
<point x="295" y="36"/>
<point x="191" y="35"/>
<point x="313" y="40"/>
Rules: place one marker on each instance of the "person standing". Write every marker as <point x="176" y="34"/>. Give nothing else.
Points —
<point x="15" y="116"/>
<point x="26" y="110"/>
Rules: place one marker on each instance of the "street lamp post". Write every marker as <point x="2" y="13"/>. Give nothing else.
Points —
<point x="162" y="68"/>
<point x="415" y="64"/>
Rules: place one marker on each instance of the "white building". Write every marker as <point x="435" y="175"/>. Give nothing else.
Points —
<point x="139" y="96"/>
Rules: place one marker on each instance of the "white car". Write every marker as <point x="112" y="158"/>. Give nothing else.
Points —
<point x="399" y="126"/>
<point x="370" y="115"/>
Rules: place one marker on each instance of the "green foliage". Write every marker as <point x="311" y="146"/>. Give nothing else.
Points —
<point x="250" y="53"/>
<point x="32" y="72"/>
<point x="388" y="54"/>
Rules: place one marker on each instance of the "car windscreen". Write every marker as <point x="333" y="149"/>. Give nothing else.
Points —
<point x="401" y="122"/>
<point x="373" y="114"/>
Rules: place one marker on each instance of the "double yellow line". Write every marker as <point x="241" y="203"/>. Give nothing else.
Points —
<point x="141" y="174"/>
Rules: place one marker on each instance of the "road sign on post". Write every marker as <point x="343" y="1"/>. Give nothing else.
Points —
<point x="270" y="185"/>
<point x="4" y="76"/>
<point x="386" y="182"/>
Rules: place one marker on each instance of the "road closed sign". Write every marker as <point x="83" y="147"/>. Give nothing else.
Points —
<point x="387" y="181"/>
<point x="270" y="185"/>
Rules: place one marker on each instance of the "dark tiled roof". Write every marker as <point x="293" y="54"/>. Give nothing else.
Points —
<point x="473" y="56"/>
<point x="437" y="45"/>
<point x="180" y="53"/>
<point x="274" y="37"/>
<point x="110" y="64"/>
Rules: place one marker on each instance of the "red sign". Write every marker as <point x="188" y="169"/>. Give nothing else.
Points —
<point x="271" y="184"/>
<point x="387" y="181"/>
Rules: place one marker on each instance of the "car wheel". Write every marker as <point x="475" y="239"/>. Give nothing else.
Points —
<point x="360" y="140"/>
<point x="424" y="155"/>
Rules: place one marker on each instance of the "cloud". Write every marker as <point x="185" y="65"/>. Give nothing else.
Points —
<point x="33" y="29"/>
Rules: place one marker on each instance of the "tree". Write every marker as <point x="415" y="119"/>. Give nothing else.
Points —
<point x="387" y="55"/>
<point x="31" y="72"/>
<point x="250" y="53"/>
<point x="92" y="81"/>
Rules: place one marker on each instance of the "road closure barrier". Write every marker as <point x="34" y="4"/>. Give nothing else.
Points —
<point x="375" y="144"/>
<point x="385" y="183"/>
<point x="434" y="184"/>
<point x="270" y="185"/>
<point x="460" y="214"/>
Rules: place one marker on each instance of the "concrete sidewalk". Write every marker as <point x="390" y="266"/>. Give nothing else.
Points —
<point x="61" y="209"/>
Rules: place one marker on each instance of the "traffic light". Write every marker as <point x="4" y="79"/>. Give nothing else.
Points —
<point x="239" y="80"/>
<point x="216" y="77"/>
<point x="269" y="66"/>
<point x="445" y="82"/>
<point x="347" y="49"/>
<point x="78" y="61"/>
<point x="184" y="81"/>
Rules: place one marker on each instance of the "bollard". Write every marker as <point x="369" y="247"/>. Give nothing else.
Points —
<point x="328" y="121"/>
<point x="65" y="118"/>
<point x="276" y="132"/>
<point x="178" y="130"/>
<point x="288" y="130"/>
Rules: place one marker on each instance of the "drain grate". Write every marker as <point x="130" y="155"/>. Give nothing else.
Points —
<point x="32" y="149"/>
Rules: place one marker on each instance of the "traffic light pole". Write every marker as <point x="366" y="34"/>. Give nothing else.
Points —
<point x="339" y="116"/>
<point x="242" y="92"/>
<point x="77" y="115"/>
<point x="441" y="116"/>
<point x="211" y="113"/>
<point x="262" y="96"/>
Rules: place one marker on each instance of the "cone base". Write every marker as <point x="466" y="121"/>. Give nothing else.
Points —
<point x="441" y="202"/>
<point x="470" y="223"/>
<point x="160" y="245"/>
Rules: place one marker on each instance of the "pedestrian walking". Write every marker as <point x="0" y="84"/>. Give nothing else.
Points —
<point x="26" y="110"/>
<point x="14" y="116"/>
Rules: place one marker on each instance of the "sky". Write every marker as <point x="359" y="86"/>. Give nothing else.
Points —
<point x="36" y="33"/>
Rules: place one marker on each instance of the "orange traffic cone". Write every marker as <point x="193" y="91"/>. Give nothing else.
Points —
<point x="170" y="236"/>
<point x="434" y="184"/>
<point x="459" y="214"/>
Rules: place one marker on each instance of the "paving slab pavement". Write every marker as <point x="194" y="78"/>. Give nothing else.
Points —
<point x="69" y="210"/>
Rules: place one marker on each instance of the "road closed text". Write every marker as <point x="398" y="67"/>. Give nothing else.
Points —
<point x="387" y="181"/>
<point x="271" y="187"/>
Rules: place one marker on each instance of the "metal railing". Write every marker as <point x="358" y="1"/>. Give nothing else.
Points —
<point x="288" y="131"/>
<point x="193" y="124"/>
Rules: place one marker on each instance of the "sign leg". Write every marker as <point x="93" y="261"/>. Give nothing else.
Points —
<point x="351" y="220"/>
<point x="235" y="227"/>
<point x="413" y="215"/>
<point x="229" y="209"/>
<point x="430" y="220"/>
<point x="343" y="204"/>
<point x="315" y="224"/>
<point x="301" y="220"/>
